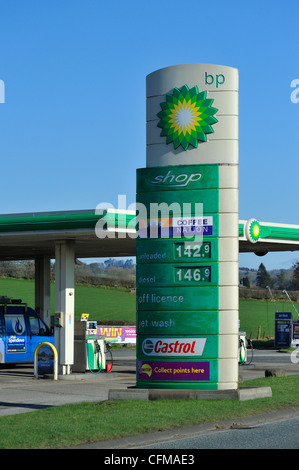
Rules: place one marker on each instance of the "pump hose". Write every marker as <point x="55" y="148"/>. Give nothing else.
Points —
<point x="249" y="342"/>
<point x="109" y="349"/>
<point x="90" y="358"/>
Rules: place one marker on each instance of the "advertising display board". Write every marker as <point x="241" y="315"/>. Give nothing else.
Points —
<point x="118" y="334"/>
<point x="283" y="329"/>
<point x="187" y="245"/>
<point x="295" y="334"/>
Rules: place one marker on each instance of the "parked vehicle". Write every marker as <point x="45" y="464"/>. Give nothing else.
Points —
<point x="21" y="331"/>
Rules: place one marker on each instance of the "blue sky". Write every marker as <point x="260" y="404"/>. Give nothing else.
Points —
<point x="73" y="121"/>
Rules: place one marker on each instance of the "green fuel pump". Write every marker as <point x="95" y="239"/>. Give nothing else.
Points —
<point x="95" y="348"/>
<point x="89" y="348"/>
<point x="244" y="344"/>
<point x="95" y="354"/>
<point x="242" y="348"/>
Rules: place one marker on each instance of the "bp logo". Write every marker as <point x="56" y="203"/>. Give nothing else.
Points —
<point x="186" y="117"/>
<point x="252" y="230"/>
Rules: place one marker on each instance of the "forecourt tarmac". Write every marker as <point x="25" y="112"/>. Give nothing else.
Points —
<point x="21" y="392"/>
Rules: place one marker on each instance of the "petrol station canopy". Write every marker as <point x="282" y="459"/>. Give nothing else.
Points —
<point x="31" y="235"/>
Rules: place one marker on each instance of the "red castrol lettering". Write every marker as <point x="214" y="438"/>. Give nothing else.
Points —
<point x="177" y="347"/>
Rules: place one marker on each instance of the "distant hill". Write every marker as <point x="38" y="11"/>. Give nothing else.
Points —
<point x="122" y="273"/>
<point x="113" y="273"/>
<point x="274" y="273"/>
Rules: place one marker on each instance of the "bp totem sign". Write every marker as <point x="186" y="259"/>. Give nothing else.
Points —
<point x="187" y="245"/>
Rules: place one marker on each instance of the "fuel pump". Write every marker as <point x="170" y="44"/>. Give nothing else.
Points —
<point x="89" y="348"/>
<point x="242" y="347"/>
<point x="244" y="344"/>
<point x="95" y="348"/>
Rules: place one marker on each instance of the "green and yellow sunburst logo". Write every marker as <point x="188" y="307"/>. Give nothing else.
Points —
<point x="186" y="117"/>
<point x="252" y="230"/>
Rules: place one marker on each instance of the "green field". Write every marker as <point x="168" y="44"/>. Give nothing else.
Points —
<point x="100" y="302"/>
<point x="261" y="313"/>
<point x="116" y="304"/>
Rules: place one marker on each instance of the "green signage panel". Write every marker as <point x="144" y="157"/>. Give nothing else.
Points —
<point x="177" y="178"/>
<point x="177" y="277"/>
<point x="179" y="203"/>
<point x="165" y="251"/>
<point x="172" y="322"/>
<point x="177" y="274"/>
<point x="178" y="298"/>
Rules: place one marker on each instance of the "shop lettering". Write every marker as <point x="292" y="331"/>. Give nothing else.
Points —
<point x="176" y="181"/>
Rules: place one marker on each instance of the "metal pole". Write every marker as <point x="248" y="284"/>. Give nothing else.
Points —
<point x="272" y="297"/>
<point x="290" y="301"/>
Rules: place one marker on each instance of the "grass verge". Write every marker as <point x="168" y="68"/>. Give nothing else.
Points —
<point x="70" y="425"/>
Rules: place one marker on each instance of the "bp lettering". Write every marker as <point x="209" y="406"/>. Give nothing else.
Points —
<point x="218" y="79"/>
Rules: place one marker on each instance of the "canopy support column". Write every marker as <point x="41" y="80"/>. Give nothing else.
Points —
<point x="64" y="303"/>
<point x="42" y="288"/>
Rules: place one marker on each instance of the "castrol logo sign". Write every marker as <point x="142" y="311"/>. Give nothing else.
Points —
<point x="174" y="346"/>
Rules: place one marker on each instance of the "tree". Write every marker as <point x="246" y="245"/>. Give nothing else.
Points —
<point x="246" y="282"/>
<point x="281" y="280"/>
<point x="295" y="279"/>
<point x="263" y="278"/>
